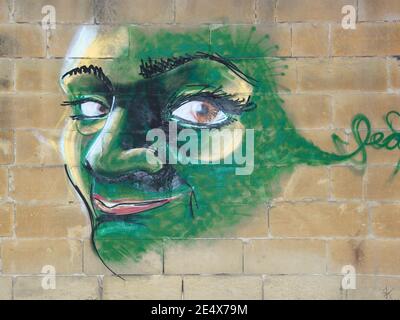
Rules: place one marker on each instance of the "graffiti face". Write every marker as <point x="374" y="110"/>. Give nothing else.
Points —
<point x="173" y="81"/>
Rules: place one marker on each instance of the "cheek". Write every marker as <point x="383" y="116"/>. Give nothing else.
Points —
<point x="71" y="148"/>
<point x="90" y="127"/>
<point x="221" y="144"/>
<point x="73" y="143"/>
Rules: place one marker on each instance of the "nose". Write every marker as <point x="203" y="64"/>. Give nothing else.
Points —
<point x="111" y="156"/>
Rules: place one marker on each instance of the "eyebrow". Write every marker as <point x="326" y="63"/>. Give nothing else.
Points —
<point x="91" y="69"/>
<point x="153" y="67"/>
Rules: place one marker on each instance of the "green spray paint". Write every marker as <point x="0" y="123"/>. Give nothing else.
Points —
<point x="196" y="63"/>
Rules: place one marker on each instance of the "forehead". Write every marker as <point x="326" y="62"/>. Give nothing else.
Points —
<point x="121" y="51"/>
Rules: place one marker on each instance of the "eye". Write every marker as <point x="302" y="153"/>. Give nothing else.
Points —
<point x="200" y="112"/>
<point x="93" y="109"/>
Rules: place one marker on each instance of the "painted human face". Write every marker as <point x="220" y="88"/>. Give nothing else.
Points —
<point x="165" y="80"/>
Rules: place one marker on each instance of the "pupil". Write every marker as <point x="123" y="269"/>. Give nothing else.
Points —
<point x="205" y="112"/>
<point x="203" y="109"/>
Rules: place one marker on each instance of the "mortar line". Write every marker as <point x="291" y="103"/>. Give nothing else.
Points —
<point x="330" y="44"/>
<point x="326" y="257"/>
<point x="94" y="11"/>
<point x="163" y="258"/>
<point x="182" y="288"/>
<point x="358" y="11"/>
<point x="268" y="208"/>
<point x="388" y="76"/>
<point x="100" y="284"/>
<point x="243" y="261"/>
<point x="11" y="11"/>
<point x="13" y="280"/>
<point x="174" y="11"/>
<point x="263" y="278"/>
<point x="256" y="5"/>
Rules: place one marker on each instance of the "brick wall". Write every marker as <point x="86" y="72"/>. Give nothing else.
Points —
<point x="295" y="247"/>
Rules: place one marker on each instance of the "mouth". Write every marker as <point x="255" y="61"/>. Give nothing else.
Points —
<point x="128" y="206"/>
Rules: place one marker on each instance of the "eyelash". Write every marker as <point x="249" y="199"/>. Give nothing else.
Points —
<point x="75" y="102"/>
<point x="82" y="117"/>
<point x="79" y="102"/>
<point x="239" y="105"/>
<point x="227" y="121"/>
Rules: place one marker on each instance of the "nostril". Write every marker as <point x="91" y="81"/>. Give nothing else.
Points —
<point x="127" y="144"/>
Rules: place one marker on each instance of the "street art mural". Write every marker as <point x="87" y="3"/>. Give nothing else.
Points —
<point x="173" y="133"/>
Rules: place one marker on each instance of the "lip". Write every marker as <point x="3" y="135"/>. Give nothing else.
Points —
<point x="128" y="206"/>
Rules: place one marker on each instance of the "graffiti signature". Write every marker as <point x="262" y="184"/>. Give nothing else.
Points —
<point x="365" y="137"/>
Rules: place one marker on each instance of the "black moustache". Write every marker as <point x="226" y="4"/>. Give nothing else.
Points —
<point x="163" y="180"/>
